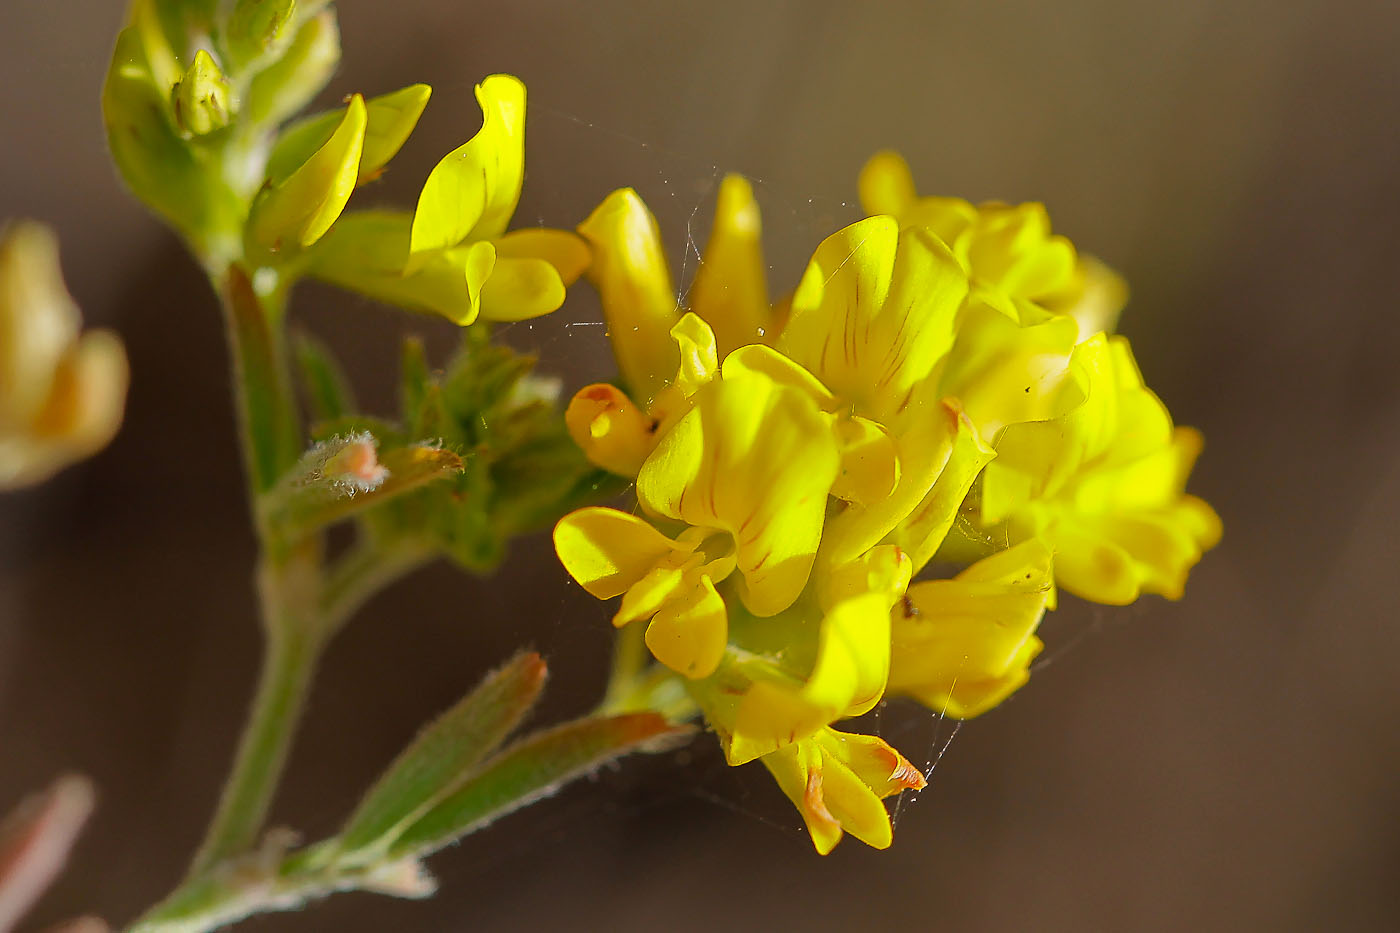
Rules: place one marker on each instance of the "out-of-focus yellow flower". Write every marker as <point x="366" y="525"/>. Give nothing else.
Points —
<point x="1103" y="486"/>
<point x="837" y="780"/>
<point x="61" y="391"/>
<point x="452" y="255"/>
<point x="1008" y="249"/>
<point x="961" y="646"/>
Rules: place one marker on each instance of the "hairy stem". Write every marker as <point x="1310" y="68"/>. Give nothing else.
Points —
<point x="293" y="643"/>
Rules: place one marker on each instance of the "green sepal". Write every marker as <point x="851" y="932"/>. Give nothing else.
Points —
<point x="535" y="767"/>
<point x="294" y="214"/>
<point x="440" y="758"/>
<point x="327" y="390"/>
<point x="390" y="118"/>
<point x="291" y="82"/>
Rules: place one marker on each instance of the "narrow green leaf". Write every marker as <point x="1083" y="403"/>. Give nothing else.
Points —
<point x="328" y="392"/>
<point x="441" y="756"/>
<point x="535" y="767"/>
<point x="344" y="476"/>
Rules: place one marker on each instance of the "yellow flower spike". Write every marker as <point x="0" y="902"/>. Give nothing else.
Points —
<point x="629" y="271"/>
<point x="756" y="459"/>
<point x="61" y="391"/>
<point x="847" y="679"/>
<point x="472" y="192"/>
<point x="612" y="432"/>
<point x="298" y="212"/>
<point x="874" y="313"/>
<point x="730" y="290"/>
<point x="389" y="119"/>
<point x="961" y="646"/>
<point x="1103" y="485"/>
<point x="838" y="780"/>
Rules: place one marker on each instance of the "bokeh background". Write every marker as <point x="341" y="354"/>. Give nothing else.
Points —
<point x="1228" y="762"/>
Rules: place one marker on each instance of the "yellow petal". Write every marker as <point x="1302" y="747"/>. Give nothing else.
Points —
<point x="699" y="356"/>
<point x="607" y="551"/>
<point x="923" y="531"/>
<point x="874" y="313"/>
<point x="886" y="185"/>
<point x="519" y="289"/>
<point x="879" y="766"/>
<point x="688" y="635"/>
<point x="885" y="569"/>
<point x="473" y="191"/>
<point x="963" y="645"/>
<point x="869" y="461"/>
<point x="565" y="251"/>
<point x="730" y="290"/>
<point x="299" y="211"/>
<point x="1004" y="373"/>
<point x="629" y="271"/>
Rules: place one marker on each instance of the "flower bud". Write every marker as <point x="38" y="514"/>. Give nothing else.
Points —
<point x="202" y="99"/>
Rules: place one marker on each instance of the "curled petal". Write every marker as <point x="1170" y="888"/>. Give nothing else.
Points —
<point x="473" y="191"/>
<point x="607" y="551"/>
<point x="611" y="431"/>
<point x="519" y="289"/>
<point x="567" y="252"/>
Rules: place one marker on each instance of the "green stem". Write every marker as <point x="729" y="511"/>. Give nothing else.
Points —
<point x="294" y="641"/>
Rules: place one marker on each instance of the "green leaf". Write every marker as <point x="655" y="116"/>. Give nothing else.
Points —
<point x="442" y="755"/>
<point x="328" y="394"/>
<point x="533" y="768"/>
<point x="344" y="476"/>
<point x="390" y="118"/>
<point x="302" y="208"/>
<point x="474" y="189"/>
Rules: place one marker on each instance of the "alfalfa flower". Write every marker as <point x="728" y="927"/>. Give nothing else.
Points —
<point x="61" y="390"/>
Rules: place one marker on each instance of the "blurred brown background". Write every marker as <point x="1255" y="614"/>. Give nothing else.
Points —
<point x="1225" y="763"/>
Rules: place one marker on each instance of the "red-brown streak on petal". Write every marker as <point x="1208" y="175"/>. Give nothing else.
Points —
<point x="906" y="774"/>
<point x="814" y="803"/>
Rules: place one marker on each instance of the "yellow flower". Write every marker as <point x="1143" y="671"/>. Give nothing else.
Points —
<point x="452" y="255"/>
<point x="61" y="391"/>
<point x="838" y="780"/>
<point x="1008" y="249"/>
<point x="1103" y="486"/>
<point x="961" y="646"/>
<point x="748" y="469"/>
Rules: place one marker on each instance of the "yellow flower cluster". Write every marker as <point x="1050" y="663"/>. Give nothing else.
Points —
<point x="798" y="463"/>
